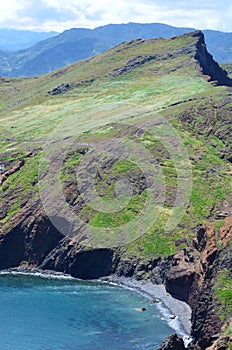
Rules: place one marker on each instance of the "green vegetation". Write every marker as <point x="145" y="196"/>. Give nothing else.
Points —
<point x="121" y="217"/>
<point x="123" y="166"/>
<point x="228" y="68"/>
<point x="224" y="293"/>
<point x="218" y="224"/>
<point x="104" y="106"/>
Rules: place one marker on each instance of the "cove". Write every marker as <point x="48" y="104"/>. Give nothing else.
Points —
<point x="66" y="314"/>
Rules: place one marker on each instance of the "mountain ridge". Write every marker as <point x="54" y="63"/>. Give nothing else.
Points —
<point x="79" y="43"/>
<point x="13" y="40"/>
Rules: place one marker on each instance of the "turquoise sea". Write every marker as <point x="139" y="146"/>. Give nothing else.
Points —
<point x="64" y="314"/>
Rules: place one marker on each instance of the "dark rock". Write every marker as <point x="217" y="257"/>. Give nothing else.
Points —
<point x="172" y="317"/>
<point x="161" y="266"/>
<point x="80" y="263"/>
<point x="229" y="157"/>
<point x="179" y="282"/>
<point x="155" y="300"/>
<point x="180" y="277"/>
<point x="173" y="342"/>
<point x="133" y="63"/>
<point x="29" y="241"/>
<point x="140" y="270"/>
<point x="225" y="209"/>
<point x="12" y="248"/>
<point x="208" y="66"/>
<point x="126" y="268"/>
<point x="83" y="82"/>
<point x="140" y="309"/>
<point x="60" y="89"/>
<point x="206" y="321"/>
<point x="139" y="275"/>
<point x="11" y="171"/>
<point x="222" y="343"/>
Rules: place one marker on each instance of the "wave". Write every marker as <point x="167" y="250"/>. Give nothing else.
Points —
<point x="143" y="289"/>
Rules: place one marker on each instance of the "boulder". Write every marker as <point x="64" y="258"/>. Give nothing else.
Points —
<point x="173" y="342"/>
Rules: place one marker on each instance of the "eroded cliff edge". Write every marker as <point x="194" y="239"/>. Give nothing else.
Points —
<point x="29" y="239"/>
<point x="190" y="275"/>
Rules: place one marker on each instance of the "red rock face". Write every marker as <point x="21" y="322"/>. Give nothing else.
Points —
<point x="180" y="277"/>
<point x="193" y="279"/>
<point x="215" y="255"/>
<point x="11" y="171"/>
<point x="226" y="231"/>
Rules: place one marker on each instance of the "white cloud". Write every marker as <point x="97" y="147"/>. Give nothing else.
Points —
<point x="9" y="9"/>
<point x="64" y="14"/>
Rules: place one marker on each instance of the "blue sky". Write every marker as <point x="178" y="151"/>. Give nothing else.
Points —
<point x="58" y="15"/>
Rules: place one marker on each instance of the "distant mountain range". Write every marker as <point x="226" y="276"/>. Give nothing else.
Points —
<point x="13" y="40"/>
<point x="79" y="43"/>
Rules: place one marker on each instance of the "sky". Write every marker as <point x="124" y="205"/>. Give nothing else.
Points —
<point x="58" y="15"/>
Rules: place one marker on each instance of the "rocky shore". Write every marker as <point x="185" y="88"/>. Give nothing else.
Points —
<point x="189" y="276"/>
<point x="175" y="312"/>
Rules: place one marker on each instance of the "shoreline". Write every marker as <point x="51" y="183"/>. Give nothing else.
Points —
<point x="166" y="304"/>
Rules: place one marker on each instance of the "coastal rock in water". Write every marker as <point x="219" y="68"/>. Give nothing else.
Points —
<point x="172" y="317"/>
<point x="173" y="342"/>
<point x="155" y="300"/>
<point x="140" y="309"/>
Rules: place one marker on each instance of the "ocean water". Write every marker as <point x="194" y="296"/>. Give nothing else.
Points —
<point x="60" y="314"/>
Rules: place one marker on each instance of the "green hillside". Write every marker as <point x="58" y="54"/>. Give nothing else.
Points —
<point x="135" y="82"/>
<point x="128" y="152"/>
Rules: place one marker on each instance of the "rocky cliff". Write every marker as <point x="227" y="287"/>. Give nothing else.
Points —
<point x="189" y="275"/>
<point x="170" y="76"/>
<point x="208" y="65"/>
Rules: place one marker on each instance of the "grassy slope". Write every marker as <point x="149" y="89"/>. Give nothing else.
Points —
<point x="29" y="115"/>
<point x="227" y="67"/>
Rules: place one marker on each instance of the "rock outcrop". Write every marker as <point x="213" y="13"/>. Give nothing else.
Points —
<point x="188" y="275"/>
<point x="4" y="175"/>
<point x="79" y="262"/>
<point x="179" y="278"/>
<point x="173" y="342"/>
<point x="210" y="68"/>
<point x="215" y="256"/>
<point x="30" y="241"/>
<point x="208" y="65"/>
